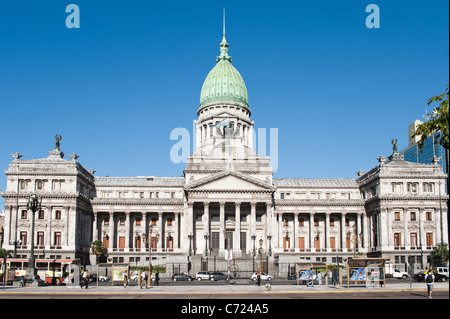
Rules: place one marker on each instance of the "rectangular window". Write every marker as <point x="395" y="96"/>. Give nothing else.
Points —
<point x="57" y="238"/>
<point x="121" y="243"/>
<point x="40" y="238"/>
<point x="413" y="216"/>
<point x="23" y="238"/>
<point x="58" y="214"/>
<point x="429" y="216"/>
<point x="301" y="222"/>
<point x="414" y="242"/>
<point x="397" y="216"/>
<point x="397" y="239"/>
<point x="24" y="214"/>
<point x="301" y="243"/>
<point x="333" y="243"/>
<point x="154" y="221"/>
<point x="122" y="220"/>
<point x="138" y="221"/>
<point x="429" y="239"/>
<point x="317" y="242"/>
<point x="331" y="221"/>
<point x="41" y="214"/>
<point x="169" y="221"/>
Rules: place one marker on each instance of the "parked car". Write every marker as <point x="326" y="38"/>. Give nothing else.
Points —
<point x="400" y="274"/>
<point x="218" y="276"/>
<point x="180" y="277"/>
<point x="437" y="276"/>
<point x="203" y="275"/>
<point x="103" y="278"/>
<point x="264" y="276"/>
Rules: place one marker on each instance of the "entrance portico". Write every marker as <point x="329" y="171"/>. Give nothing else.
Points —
<point x="227" y="211"/>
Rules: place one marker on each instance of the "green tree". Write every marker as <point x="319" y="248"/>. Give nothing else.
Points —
<point x="436" y="255"/>
<point x="97" y="249"/>
<point x="437" y="122"/>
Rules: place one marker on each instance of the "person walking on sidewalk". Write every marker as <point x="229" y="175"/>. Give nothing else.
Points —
<point x="429" y="279"/>
<point x="144" y="279"/>
<point x="125" y="280"/>
<point x="157" y="277"/>
<point x="85" y="279"/>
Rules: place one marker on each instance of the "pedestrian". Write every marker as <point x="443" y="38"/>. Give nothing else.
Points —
<point x="85" y="279"/>
<point x="144" y="279"/>
<point x="258" y="277"/>
<point x="125" y="280"/>
<point x="157" y="277"/>
<point x="22" y="281"/>
<point x="429" y="279"/>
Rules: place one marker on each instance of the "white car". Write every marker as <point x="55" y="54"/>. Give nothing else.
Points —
<point x="103" y="278"/>
<point x="400" y="274"/>
<point x="264" y="276"/>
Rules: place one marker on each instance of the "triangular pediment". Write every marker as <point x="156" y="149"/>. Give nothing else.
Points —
<point x="229" y="181"/>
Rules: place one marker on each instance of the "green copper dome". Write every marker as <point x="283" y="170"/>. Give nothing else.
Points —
<point x="224" y="83"/>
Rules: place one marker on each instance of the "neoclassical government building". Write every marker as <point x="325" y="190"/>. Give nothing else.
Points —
<point x="227" y="204"/>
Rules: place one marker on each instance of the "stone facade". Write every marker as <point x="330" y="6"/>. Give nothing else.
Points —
<point x="225" y="204"/>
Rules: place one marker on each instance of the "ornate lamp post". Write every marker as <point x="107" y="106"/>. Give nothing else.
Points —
<point x="148" y="240"/>
<point x="34" y="204"/>
<point x="254" y="252"/>
<point x="260" y="251"/>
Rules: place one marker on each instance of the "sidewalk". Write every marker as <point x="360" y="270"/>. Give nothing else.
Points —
<point x="215" y="289"/>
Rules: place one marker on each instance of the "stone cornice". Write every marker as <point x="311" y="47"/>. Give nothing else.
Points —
<point x="136" y="201"/>
<point x="320" y="202"/>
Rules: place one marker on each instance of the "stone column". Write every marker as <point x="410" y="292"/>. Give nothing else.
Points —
<point x="48" y="241"/>
<point x="280" y="232"/>
<point x="422" y="239"/>
<point x="407" y="218"/>
<point x="327" y="231"/>
<point x="95" y="227"/>
<point x="65" y="233"/>
<point x="222" y="227"/>
<point x="111" y="231"/>
<point x="206" y="219"/>
<point x="237" y="231"/>
<point x="178" y="230"/>
<point x="253" y="218"/>
<point x="295" y="231"/>
<point x="366" y="232"/>
<point x="161" y="231"/>
<point x="358" y="229"/>
<point x="127" y="231"/>
<point x="206" y="228"/>
<point x="311" y="232"/>
<point x="343" y="232"/>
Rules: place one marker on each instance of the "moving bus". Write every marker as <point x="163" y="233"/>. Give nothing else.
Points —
<point x="51" y="270"/>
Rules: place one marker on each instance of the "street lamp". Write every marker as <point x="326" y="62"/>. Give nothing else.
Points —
<point x="34" y="204"/>
<point x="254" y="252"/>
<point x="260" y="251"/>
<point x="148" y="240"/>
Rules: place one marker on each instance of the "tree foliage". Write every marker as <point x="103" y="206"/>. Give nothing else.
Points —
<point x="436" y="256"/>
<point x="437" y="122"/>
<point x="98" y="249"/>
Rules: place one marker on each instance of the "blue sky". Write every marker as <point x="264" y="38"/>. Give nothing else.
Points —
<point x="115" y="88"/>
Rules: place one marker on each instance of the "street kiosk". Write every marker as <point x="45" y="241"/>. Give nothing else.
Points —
<point x="368" y="272"/>
<point x="304" y="271"/>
